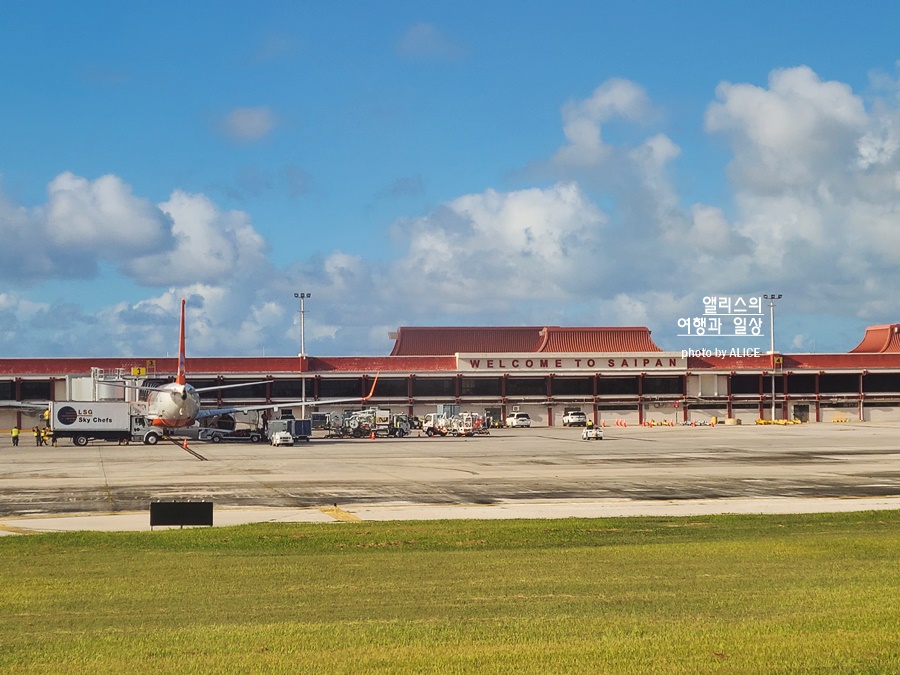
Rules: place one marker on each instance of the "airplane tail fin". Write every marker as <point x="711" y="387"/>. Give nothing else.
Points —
<point x="181" y="376"/>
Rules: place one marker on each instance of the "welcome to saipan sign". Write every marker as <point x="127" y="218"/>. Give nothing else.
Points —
<point x="594" y="363"/>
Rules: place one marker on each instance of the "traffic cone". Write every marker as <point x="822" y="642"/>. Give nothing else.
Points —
<point x="184" y="445"/>
<point x="372" y="436"/>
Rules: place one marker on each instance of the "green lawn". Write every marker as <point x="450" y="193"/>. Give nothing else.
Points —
<point x="730" y="594"/>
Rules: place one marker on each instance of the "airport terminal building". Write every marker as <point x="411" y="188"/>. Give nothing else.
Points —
<point x="612" y="374"/>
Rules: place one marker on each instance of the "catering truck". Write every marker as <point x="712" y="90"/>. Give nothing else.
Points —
<point x="102" y="420"/>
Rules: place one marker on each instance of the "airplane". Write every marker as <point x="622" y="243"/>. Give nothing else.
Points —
<point x="177" y="404"/>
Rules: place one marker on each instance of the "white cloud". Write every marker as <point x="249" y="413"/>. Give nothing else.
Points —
<point x="211" y="245"/>
<point x="813" y="175"/>
<point x="102" y="217"/>
<point x="792" y="133"/>
<point x="582" y="121"/>
<point x="186" y="245"/>
<point x="82" y="223"/>
<point x="494" y="249"/>
<point x="877" y="147"/>
<point x="249" y="124"/>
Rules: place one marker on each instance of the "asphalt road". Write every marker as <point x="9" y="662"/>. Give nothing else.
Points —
<point x="508" y="467"/>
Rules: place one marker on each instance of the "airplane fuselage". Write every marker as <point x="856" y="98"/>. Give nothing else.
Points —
<point x="173" y="405"/>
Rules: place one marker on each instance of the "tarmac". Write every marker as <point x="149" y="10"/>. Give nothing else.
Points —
<point x="139" y="521"/>
<point x="512" y="473"/>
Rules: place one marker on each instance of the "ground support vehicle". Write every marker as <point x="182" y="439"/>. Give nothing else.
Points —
<point x="482" y="425"/>
<point x="379" y="422"/>
<point x="400" y="425"/>
<point x="384" y="423"/>
<point x="319" y="420"/>
<point x="219" y="435"/>
<point x="459" y="424"/>
<point x="592" y="434"/>
<point x="436" y="424"/>
<point x="353" y="423"/>
<point x="300" y="430"/>
<point x="366" y="423"/>
<point x="83" y="421"/>
<point x="463" y="424"/>
<point x="281" y="438"/>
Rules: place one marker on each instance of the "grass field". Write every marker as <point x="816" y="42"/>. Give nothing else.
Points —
<point x="729" y="594"/>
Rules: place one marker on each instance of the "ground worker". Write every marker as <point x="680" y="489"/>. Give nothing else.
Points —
<point x="15" y="434"/>
<point x="37" y="435"/>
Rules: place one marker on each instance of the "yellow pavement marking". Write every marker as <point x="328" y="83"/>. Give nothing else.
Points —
<point x="339" y="514"/>
<point x="17" y="530"/>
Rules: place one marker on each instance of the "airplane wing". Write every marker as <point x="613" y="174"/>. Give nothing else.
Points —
<point x="214" y="412"/>
<point x="229" y="386"/>
<point x="34" y="406"/>
<point x="142" y="387"/>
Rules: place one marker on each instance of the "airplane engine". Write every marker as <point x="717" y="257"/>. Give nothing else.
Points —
<point x="224" y="422"/>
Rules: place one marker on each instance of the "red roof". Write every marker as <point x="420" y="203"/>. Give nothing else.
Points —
<point x="880" y="340"/>
<point x="446" y="341"/>
<point x="604" y="340"/>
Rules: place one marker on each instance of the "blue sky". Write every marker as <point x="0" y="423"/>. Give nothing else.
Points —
<point x="408" y="163"/>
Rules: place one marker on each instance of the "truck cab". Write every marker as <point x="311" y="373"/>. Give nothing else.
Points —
<point x="142" y="430"/>
<point x="435" y="424"/>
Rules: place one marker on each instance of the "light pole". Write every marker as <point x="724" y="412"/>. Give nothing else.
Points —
<point x="772" y="297"/>
<point x="302" y="297"/>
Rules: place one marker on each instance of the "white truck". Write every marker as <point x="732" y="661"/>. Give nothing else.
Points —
<point x="460" y="424"/>
<point x="83" y="421"/>
<point x="436" y="424"/>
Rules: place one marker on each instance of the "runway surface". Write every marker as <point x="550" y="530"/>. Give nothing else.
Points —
<point x="537" y="472"/>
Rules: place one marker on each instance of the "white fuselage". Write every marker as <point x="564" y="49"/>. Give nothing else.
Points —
<point x="173" y="405"/>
